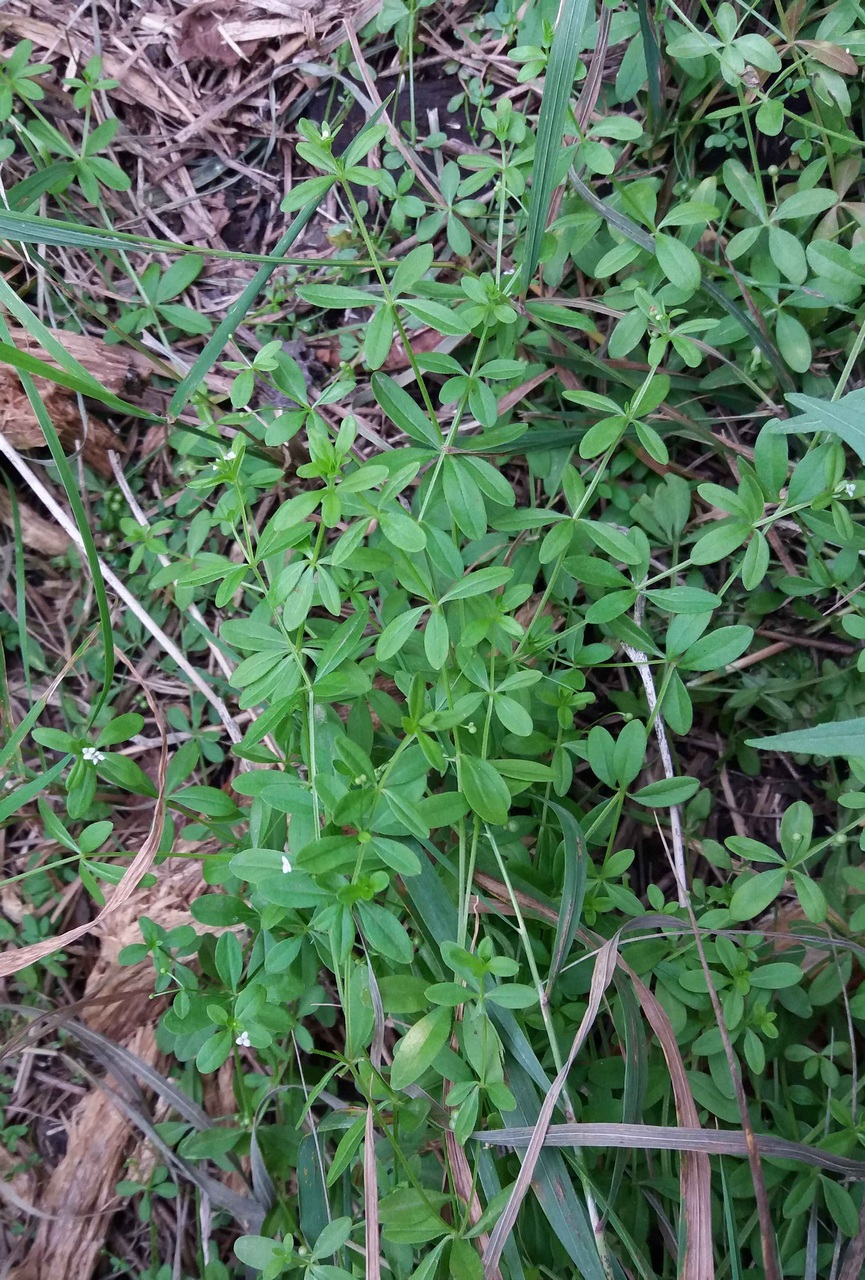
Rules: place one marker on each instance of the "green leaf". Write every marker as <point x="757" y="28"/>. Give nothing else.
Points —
<point x="720" y="542"/>
<point x="404" y="412"/>
<point x="378" y="337"/>
<point x="844" y="418"/>
<point x="793" y="342"/>
<point x="806" y="204"/>
<point x="717" y="649"/>
<point x="402" y="530"/>
<point x="743" y="187"/>
<point x="179" y="276"/>
<point x="214" y="1052"/>
<point x="753" y="896"/>
<point x="336" y="296"/>
<point x="397" y="632"/>
<point x="788" y="255"/>
<point x="343" y="644"/>
<point x="436" y="640"/>
<point x="419" y="1047"/>
<point x="756" y="561"/>
<point x="666" y="792"/>
<point x="464" y="498"/>
<point x="678" y="263"/>
<point x="811" y="897"/>
<point x="837" y="738"/>
<point x="611" y="540"/>
<point x="411" y="269"/>
<point x="485" y="790"/>
<point x="685" y="600"/>
<point x="481" y="582"/>
<point x="776" y="976"/>
<point x="384" y="933"/>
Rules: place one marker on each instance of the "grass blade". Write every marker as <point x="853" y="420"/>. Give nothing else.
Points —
<point x="88" y="386"/>
<point x="82" y="523"/>
<point x="652" y="54"/>
<point x="659" y="1137"/>
<point x="558" y="82"/>
<point x="573" y="890"/>
<point x="604" y="968"/>
<point x="554" y="1189"/>
<point x="311" y="1189"/>
<point x="236" y="313"/>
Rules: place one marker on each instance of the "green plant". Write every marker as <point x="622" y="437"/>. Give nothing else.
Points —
<point x="544" y="800"/>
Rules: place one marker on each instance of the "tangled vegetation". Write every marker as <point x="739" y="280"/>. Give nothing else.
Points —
<point x="472" y="606"/>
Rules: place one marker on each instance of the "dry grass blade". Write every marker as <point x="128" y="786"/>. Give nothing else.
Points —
<point x="660" y="1137"/>
<point x="695" y="1174"/>
<point x="605" y="967"/>
<point x="370" y="1200"/>
<point x="19" y="958"/>
<point x="767" y="1234"/>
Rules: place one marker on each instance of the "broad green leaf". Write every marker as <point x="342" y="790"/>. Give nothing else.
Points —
<point x="717" y="649"/>
<point x="419" y="1047"/>
<point x="397" y="632"/>
<point x="753" y="896"/>
<point x="336" y="295"/>
<point x="720" y="542"/>
<point x="485" y="790"/>
<point x="793" y="342"/>
<point x="666" y="792"/>
<point x="679" y="263"/>
<point x="685" y="600"/>
<point x="481" y="582"/>
<point x="612" y="540"/>
<point x="742" y="186"/>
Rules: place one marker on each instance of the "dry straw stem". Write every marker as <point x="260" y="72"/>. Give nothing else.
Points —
<point x="19" y="958"/>
<point x="47" y="499"/>
<point x="605" y="967"/>
<point x="695" y="1171"/>
<point x="662" y="1137"/>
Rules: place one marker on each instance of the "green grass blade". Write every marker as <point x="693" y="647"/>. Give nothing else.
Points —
<point x="24" y="794"/>
<point x="652" y="54"/>
<point x="20" y="599"/>
<point x="88" y="386"/>
<point x="31" y="229"/>
<point x="311" y="1189"/>
<point x="573" y="890"/>
<point x="67" y="479"/>
<point x="235" y="314"/>
<point x="558" y="82"/>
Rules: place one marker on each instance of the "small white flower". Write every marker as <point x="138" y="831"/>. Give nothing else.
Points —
<point x="92" y="755"/>
<point x="286" y="865"/>
<point x="230" y="456"/>
<point x="850" y="489"/>
<point x="243" y="1040"/>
